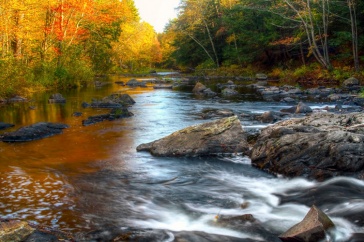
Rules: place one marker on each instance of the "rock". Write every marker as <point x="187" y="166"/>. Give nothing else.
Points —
<point x="39" y="236"/>
<point x="269" y="117"/>
<point x="208" y="113"/>
<point x="303" y="108"/>
<point x="261" y="76"/>
<point x="85" y="105"/>
<point x="322" y="194"/>
<point x="245" y="223"/>
<point x="261" y="83"/>
<point x="359" y="101"/>
<point x="288" y="100"/>
<point x="157" y="235"/>
<point x="220" y="136"/>
<point x="352" y="81"/>
<point x="209" y="93"/>
<point x="34" y="132"/>
<point x="289" y="110"/>
<point x="56" y="98"/>
<point x="13" y="230"/>
<point x="116" y="113"/>
<point x="17" y="99"/>
<point x="295" y="91"/>
<point x="228" y="92"/>
<point x="320" y="146"/>
<point x="197" y="236"/>
<point x="230" y="82"/>
<point x="312" y="228"/>
<point x="101" y="84"/>
<point x="113" y="101"/>
<point x="132" y="83"/>
<point x="5" y="125"/>
<point x="300" y="108"/>
<point x="163" y="86"/>
<point x="199" y="87"/>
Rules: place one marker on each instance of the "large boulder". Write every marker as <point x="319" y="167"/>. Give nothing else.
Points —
<point x="14" y="230"/>
<point x="312" y="228"/>
<point x="319" y="146"/>
<point x="220" y="136"/>
<point x="34" y="132"/>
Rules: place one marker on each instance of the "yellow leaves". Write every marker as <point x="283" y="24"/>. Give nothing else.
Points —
<point x="138" y="43"/>
<point x="231" y="38"/>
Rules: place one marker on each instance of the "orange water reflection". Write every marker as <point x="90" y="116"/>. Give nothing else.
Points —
<point x="36" y="177"/>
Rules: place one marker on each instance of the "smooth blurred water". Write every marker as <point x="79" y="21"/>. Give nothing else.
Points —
<point x="92" y="177"/>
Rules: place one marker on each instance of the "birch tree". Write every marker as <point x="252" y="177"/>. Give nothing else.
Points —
<point x="352" y="5"/>
<point x="316" y="30"/>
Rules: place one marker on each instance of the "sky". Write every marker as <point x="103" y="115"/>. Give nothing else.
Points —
<point x="157" y="12"/>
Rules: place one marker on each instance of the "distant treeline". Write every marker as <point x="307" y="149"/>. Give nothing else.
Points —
<point x="277" y="33"/>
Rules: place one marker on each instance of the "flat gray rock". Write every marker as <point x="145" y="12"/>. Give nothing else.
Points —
<point x="220" y="136"/>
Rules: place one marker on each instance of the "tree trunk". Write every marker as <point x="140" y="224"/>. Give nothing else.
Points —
<point x="354" y="33"/>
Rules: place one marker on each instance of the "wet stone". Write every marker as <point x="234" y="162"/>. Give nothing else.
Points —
<point x="14" y="230"/>
<point x="34" y="132"/>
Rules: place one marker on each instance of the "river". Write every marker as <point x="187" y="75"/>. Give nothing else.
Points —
<point x="89" y="178"/>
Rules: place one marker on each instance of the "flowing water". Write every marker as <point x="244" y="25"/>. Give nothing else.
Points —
<point x="91" y="177"/>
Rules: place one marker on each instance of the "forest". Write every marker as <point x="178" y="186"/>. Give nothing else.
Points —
<point x="65" y="43"/>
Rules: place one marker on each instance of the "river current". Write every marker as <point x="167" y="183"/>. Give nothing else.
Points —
<point x="89" y="178"/>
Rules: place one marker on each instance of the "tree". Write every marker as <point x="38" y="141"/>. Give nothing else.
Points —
<point x="352" y="5"/>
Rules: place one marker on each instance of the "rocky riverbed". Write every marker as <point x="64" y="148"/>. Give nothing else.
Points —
<point x="298" y="140"/>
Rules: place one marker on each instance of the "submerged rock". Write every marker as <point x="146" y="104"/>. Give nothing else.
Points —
<point x="116" y="113"/>
<point x="34" y="132"/>
<point x="13" y="230"/>
<point x="319" y="146"/>
<point x="220" y="136"/>
<point x="312" y="228"/>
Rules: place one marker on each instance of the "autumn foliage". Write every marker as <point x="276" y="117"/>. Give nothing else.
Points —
<point x="62" y="43"/>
